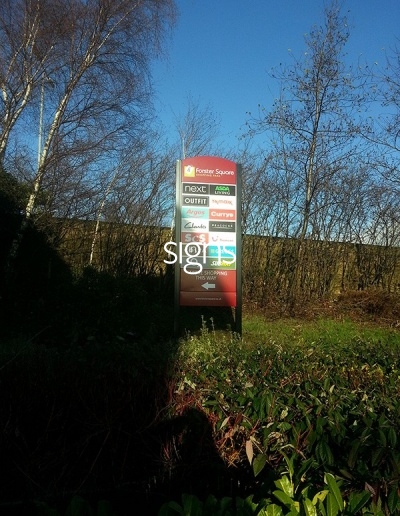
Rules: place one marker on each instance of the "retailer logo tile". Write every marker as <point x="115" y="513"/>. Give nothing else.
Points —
<point x="189" y="171"/>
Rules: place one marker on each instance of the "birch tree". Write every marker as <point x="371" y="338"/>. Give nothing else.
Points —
<point x="96" y="54"/>
<point x="198" y="129"/>
<point x="383" y="130"/>
<point x="22" y="65"/>
<point x="312" y="126"/>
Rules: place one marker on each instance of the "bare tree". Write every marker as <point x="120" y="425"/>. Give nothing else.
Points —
<point x="313" y="126"/>
<point x="198" y="129"/>
<point x="383" y="130"/>
<point x="22" y="65"/>
<point x="134" y="214"/>
<point x="96" y="55"/>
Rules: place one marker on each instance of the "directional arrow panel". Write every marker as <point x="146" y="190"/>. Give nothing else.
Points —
<point x="209" y="280"/>
<point x="209" y="288"/>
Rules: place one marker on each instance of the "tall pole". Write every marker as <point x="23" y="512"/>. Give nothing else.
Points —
<point x="40" y="136"/>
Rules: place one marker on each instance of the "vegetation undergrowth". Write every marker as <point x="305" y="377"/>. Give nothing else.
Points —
<point x="294" y="417"/>
<point x="322" y="397"/>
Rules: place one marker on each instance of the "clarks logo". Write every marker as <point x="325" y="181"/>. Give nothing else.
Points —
<point x="194" y="225"/>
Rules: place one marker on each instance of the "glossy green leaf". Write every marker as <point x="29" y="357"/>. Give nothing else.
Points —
<point x="79" y="507"/>
<point x="192" y="506"/>
<point x="320" y="496"/>
<point x="324" y="453"/>
<point x="272" y="510"/>
<point x="170" y="509"/>
<point x="358" y="500"/>
<point x="285" y="485"/>
<point x="394" y="501"/>
<point x="104" y="508"/>
<point x="309" y="508"/>
<point x="259" y="463"/>
<point x="392" y="437"/>
<point x="283" y="497"/>
<point x="334" y="490"/>
<point x="351" y="461"/>
<point x="332" y="507"/>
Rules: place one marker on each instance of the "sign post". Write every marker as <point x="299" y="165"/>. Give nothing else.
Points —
<point x="208" y="235"/>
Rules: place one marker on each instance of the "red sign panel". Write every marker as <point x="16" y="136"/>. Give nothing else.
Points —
<point x="208" y="206"/>
<point x="207" y="299"/>
<point x="209" y="280"/>
<point x="208" y="170"/>
<point x="197" y="238"/>
<point x="216" y="214"/>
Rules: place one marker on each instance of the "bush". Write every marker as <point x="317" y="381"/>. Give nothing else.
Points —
<point x="330" y="408"/>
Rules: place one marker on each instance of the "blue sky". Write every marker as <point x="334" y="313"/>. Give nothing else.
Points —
<point x="221" y="51"/>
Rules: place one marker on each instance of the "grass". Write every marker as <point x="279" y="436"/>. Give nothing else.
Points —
<point x="330" y="331"/>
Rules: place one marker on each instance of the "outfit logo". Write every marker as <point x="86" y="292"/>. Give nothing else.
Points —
<point x="197" y="200"/>
<point x="189" y="171"/>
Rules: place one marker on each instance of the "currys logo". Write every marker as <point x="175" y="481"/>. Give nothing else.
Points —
<point x="222" y="214"/>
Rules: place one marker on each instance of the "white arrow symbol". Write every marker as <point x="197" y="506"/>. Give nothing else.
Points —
<point x="208" y="285"/>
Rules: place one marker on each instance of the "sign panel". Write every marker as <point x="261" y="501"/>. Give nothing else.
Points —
<point x="209" y="281"/>
<point x="208" y="216"/>
<point x="208" y="299"/>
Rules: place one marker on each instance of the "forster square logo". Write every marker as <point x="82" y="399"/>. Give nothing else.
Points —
<point x="213" y="175"/>
<point x="206" y="250"/>
<point x="189" y="171"/>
